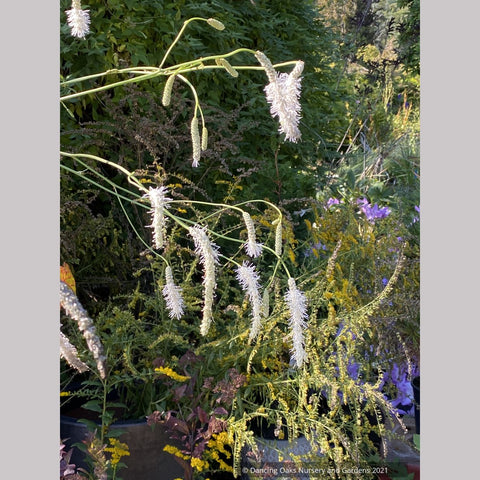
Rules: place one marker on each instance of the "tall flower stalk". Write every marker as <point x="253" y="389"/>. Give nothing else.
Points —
<point x="297" y="306"/>
<point x="208" y="254"/>
<point x="173" y="295"/>
<point x="252" y="248"/>
<point x="158" y="201"/>
<point x="74" y="309"/>
<point x="249" y="281"/>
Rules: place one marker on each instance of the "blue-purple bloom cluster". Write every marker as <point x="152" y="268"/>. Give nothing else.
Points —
<point x="372" y="212"/>
<point x="416" y="218"/>
<point x="332" y="201"/>
<point x="400" y="377"/>
<point x="315" y="248"/>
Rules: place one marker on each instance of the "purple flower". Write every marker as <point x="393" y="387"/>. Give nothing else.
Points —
<point x="315" y="248"/>
<point x="398" y="376"/>
<point x="372" y="212"/>
<point x="332" y="201"/>
<point x="416" y="218"/>
<point x="353" y="369"/>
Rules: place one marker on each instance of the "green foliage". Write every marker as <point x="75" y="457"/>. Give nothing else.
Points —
<point x="283" y="30"/>
<point x="361" y="282"/>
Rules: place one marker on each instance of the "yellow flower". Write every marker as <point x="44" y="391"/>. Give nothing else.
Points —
<point x="172" y="374"/>
<point x="175" y="451"/>
<point x="65" y="394"/>
<point x="198" y="464"/>
<point x="117" y="449"/>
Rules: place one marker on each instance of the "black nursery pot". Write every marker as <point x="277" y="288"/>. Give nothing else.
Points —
<point x="416" y="397"/>
<point x="147" y="460"/>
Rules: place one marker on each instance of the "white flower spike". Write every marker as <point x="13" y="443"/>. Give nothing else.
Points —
<point x="249" y="281"/>
<point x="173" y="295"/>
<point x="78" y="20"/>
<point x="252" y="248"/>
<point x="208" y="254"/>
<point x="159" y="202"/>
<point x="297" y="305"/>
<point x="283" y="94"/>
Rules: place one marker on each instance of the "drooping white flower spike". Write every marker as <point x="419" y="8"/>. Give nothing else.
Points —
<point x="283" y="95"/>
<point x="70" y="354"/>
<point x="78" y="20"/>
<point x="74" y="309"/>
<point x="249" y="281"/>
<point x="196" y="142"/>
<point x="208" y="254"/>
<point x="159" y="202"/>
<point x="173" y="295"/>
<point x="297" y="305"/>
<point x="252" y="248"/>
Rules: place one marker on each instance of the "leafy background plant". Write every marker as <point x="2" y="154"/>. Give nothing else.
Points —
<point x="360" y="130"/>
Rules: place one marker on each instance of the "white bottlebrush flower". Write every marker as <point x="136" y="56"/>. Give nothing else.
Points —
<point x="208" y="253"/>
<point x="249" y="281"/>
<point x="196" y="142"/>
<point x="78" y="20"/>
<point x="70" y="354"/>
<point x="278" y="239"/>
<point x="252" y="248"/>
<point x="173" y="295"/>
<point x="158" y="201"/>
<point x="74" y="309"/>
<point x="297" y="306"/>
<point x="283" y="95"/>
<point x="167" y="91"/>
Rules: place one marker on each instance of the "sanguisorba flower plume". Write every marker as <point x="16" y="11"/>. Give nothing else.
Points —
<point x="74" y="309"/>
<point x="159" y="202"/>
<point x="78" y="20"/>
<point x="173" y="295"/>
<point x="249" y="281"/>
<point x="252" y="248"/>
<point x="297" y="306"/>
<point x="208" y="254"/>
<point x="70" y="354"/>
<point x="283" y="95"/>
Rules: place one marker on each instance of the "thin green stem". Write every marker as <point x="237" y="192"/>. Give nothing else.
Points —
<point x="136" y="232"/>
<point x="130" y="177"/>
<point x="142" y="78"/>
<point x="195" y="95"/>
<point x="113" y="71"/>
<point x="93" y="182"/>
<point x="177" y="38"/>
<point x="98" y="174"/>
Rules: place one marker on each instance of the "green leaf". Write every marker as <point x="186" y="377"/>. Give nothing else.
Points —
<point x="93" y="405"/>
